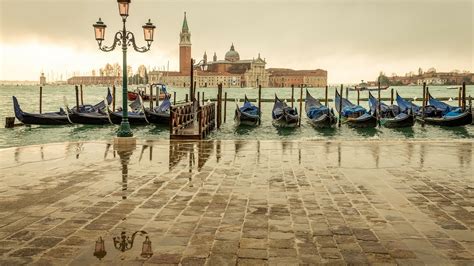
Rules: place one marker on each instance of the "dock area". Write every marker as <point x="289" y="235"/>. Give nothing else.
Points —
<point x="238" y="202"/>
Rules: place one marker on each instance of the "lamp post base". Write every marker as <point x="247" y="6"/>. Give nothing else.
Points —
<point x="124" y="130"/>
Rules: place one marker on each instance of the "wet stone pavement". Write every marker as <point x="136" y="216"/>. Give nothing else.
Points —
<point x="238" y="203"/>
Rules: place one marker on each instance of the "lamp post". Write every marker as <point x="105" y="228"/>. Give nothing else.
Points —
<point x="124" y="38"/>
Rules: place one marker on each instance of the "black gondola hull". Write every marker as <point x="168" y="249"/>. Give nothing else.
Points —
<point x="290" y="121"/>
<point x="323" y="121"/>
<point x="89" y="118"/>
<point x="116" y="118"/>
<point x="47" y="119"/>
<point x="242" y="118"/>
<point x="157" y="118"/>
<point x="368" y="122"/>
<point x="461" y="120"/>
<point x="407" y="121"/>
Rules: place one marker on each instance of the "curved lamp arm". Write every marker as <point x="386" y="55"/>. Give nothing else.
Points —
<point x="117" y="41"/>
<point x="131" y="41"/>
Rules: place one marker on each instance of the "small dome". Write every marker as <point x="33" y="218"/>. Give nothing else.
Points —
<point x="232" y="55"/>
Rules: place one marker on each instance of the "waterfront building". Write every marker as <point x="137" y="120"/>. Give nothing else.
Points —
<point x="284" y="77"/>
<point x="94" y="80"/>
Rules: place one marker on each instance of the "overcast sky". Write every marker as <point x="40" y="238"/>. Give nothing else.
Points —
<point x="352" y="39"/>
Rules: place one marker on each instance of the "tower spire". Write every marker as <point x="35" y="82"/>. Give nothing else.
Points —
<point x="185" y="24"/>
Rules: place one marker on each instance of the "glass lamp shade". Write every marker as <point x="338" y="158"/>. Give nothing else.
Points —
<point x="99" y="30"/>
<point x="123" y="6"/>
<point x="146" y="248"/>
<point x="148" y="31"/>
<point x="99" y="251"/>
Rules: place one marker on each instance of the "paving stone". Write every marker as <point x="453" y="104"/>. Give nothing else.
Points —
<point x="253" y="253"/>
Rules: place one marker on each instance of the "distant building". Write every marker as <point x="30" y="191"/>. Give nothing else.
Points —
<point x="94" y="80"/>
<point x="42" y="79"/>
<point x="284" y="77"/>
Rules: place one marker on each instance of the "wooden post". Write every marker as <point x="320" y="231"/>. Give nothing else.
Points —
<point x="470" y="104"/>
<point x="225" y="105"/>
<point x="347" y="93"/>
<point x="77" y="98"/>
<point x="326" y="96"/>
<point x="292" y="94"/>
<point x="82" y="96"/>
<point x="113" y="98"/>
<point x="219" y="105"/>
<point x="464" y="96"/>
<point x="186" y="99"/>
<point x="9" y="122"/>
<point x="194" y="91"/>
<point x="157" y="100"/>
<point x="41" y="100"/>
<point x="203" y="99"/>
<point x="260" y="104"/>
<point x="379" y="110"/>
<point x="191" y="84"/>
<point x="174" y="98"/>
<point x="459" y="96"/>
<point x="198" y="98"/>
<point x="340" y="105"/>
<point x="391" y="96"/>
<point x="151" y="97"/>
<point x="301" y="104"/>
<point x="358" y="97"/>
<point x="423" y="105"/>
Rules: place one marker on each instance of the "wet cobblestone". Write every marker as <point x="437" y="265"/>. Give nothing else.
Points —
<point x="240" y="202"/>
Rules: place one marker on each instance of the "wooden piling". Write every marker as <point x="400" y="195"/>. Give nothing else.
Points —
<point x="301" y="105"/>
<point x="191" y="84"/>
<point x="113" y="98"/>
<point x="260" y="103"/>
<point x="203" y="100"/>
<point x="174" y="98"/>
<point x="157" y="99"/>
<point x="219" y="105"/>
<point x="9" y="122"/>
<point x="347" y="93"/>
<point x="292" y="94"/>
<point x="464" y="96"/>
<point x="391" y="96"/>
<point x="77" y="98"/>
<point x="379" y="110"/>
<point x="82" y="96"/>
<point x="423" y="105"/>
<point x="326" y="96"/>
<point x="194" y="91"/>
<point x="198" y="98"/>
<point x="186" y="98"/>
<point x="41" y="100"/>
<point x="459" y="96"/>
<point x="225" y="105"/>
<point x="151" y="97"/>
<point x="340" y="106"/>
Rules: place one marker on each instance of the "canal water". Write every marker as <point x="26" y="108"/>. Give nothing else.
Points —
<point x="28" y="96"/>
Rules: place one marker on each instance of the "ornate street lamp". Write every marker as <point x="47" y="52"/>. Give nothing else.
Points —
<point x="124" y="38"/>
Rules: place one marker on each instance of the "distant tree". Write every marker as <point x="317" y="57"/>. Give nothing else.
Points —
<point x="384" y="80"/>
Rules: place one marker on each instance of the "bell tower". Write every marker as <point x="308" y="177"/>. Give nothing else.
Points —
<point x="185" y="49"/>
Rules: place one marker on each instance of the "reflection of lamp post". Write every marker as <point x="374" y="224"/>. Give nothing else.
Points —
<point x="99" y="250"/>
<point x="124" y="243"/>
<point x="124" y="38"/>
<point x="125" y="153"/>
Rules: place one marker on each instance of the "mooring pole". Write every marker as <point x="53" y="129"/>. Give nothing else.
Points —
<point x="391" y="96"/>
<point x="464" y="96"/>
<point x="379" y="110"/>
<point x="423" y="105"/>
<point x="157" y="99"/>
<point x="326" y="96"/>
<point x="292" y="94"/>
<point x="113" y="98"/>
<point x="340" y="105"/>
<point x="174" y="98"/>
<point x="41" y="100"/>
<point x="77" y="98"/>
<point x="151" y="97"/>
<point x="301" y="104"/>
<point x="219" y="105"/>
<point x="459" y="96"/>
<point x="203" y="101"/>
<point x="191" y="84"/>
<point x="347" y="93"/>
<point x="260" y="103"/>
<point x="198" y="98"/>
<point x="186" y="99"/>
<point x="225" y="105"/>
<point x="358" y="97"/>
<point x="82" y="96"/>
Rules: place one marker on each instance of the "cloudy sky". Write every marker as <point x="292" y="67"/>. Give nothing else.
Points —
<point x="352" y="39"/>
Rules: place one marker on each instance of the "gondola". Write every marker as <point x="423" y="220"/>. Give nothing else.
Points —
<point x="446" y="115"/>
<point x="391" y="116"/>
<point x="92" y="115"/>
<point x="159" y="114"/>
<point x="248" y="114"/>
<point x="283" y="115"/>
<point x="135" y="117"/>
<point x="355" y="115"/>
<point x="52" y="118"/>
<point x="319" y="115"/>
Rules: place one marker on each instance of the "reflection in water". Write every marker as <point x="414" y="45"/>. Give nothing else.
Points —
<point x="375" y="150"/>
<point x="365" y="132"/>
<point x="465" y="155"/>
<point x="286" y="131"/>
<point x="124" y="152"/>
<point x="107" y="148"/>
<point x="422" y="155"/>
<point x="218" y="150"/>
<point x="458" y="131"/>
<point x="407" y="132"/>
<point x="124" y="243"/>
<point x="339" y="154"/>
<point x="178" y="150"/>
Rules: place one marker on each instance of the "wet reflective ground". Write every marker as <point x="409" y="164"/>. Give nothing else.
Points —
<point x="238" y="202"/>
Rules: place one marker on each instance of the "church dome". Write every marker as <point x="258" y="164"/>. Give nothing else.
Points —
<point x="232" y="55"/>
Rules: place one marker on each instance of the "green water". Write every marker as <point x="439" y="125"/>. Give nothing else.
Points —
<point x="28" y="96"/>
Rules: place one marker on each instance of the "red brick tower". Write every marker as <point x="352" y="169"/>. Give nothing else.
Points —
<point x="185" y="49"/>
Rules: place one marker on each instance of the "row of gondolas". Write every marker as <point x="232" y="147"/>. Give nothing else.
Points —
<point x="403" y="114"/>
